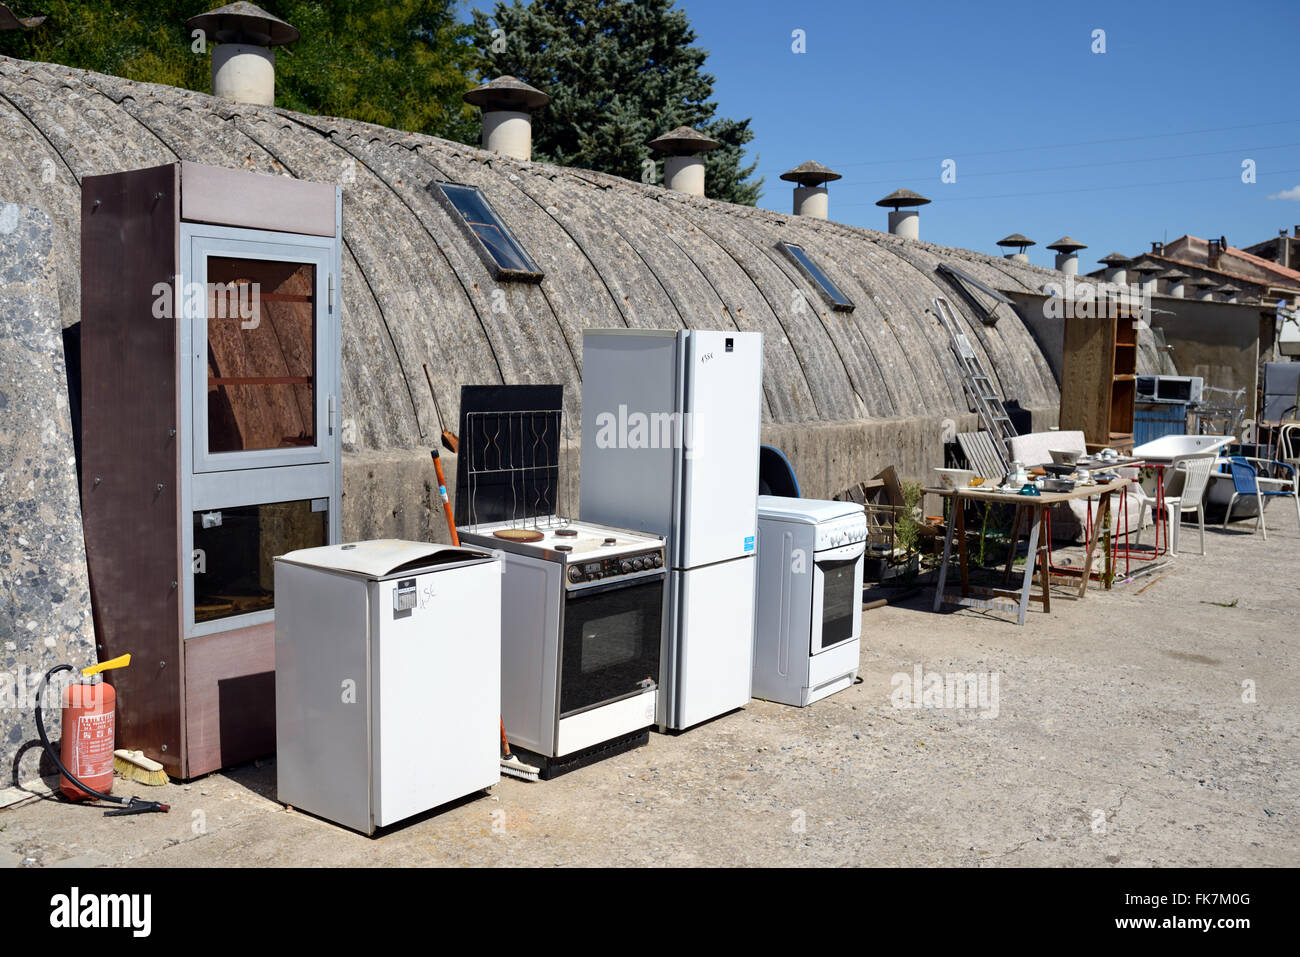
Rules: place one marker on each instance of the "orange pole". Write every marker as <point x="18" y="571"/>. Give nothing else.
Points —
<point x="446" y="502"/>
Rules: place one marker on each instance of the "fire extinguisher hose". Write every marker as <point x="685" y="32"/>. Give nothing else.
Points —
<point x="132" y="805"/>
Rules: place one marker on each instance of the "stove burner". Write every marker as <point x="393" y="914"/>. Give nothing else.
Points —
<point x="564" y="548"/>
<point x="611" y="541"/>
<point x="519" y="535"/>
<point x="566" y="533"/>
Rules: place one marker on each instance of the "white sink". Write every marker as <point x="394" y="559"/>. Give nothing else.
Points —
<point x="1171" y="448"/>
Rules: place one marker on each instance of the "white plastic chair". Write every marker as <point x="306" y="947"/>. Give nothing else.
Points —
<point x="1195" y="471"/>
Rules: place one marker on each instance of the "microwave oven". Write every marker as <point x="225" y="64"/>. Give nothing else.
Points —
<point x="1170" y="388"/>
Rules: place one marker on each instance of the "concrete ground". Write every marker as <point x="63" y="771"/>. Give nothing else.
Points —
<point x="1125" y="735"/>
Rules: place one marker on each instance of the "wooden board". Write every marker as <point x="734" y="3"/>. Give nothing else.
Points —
<point x="231" y="197"/>
<point x="129" y="409"/>
<point x="229" y="698"/>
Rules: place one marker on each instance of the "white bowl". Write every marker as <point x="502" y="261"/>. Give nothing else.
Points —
<point x="955" y="478"/>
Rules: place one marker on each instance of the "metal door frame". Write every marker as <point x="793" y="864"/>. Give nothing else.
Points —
<point x="256" y="477"/>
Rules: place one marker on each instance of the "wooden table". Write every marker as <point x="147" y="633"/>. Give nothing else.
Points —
<point x="1036" y="506"/>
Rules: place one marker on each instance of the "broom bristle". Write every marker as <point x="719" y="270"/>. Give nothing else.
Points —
<point x="134" y="766"/>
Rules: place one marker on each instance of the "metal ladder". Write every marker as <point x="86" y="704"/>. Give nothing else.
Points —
<point x="977" y="383"/>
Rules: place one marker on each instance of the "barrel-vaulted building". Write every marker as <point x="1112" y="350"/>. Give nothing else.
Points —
<point x="858" y="373"/>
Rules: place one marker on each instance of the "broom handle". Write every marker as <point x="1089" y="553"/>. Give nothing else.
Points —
<point x="442" y="479"/>
<point x="446" y="502"/>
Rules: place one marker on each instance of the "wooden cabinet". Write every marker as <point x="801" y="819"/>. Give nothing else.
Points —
<point x="1099" y="377"/>
<point x="210" y="368"/>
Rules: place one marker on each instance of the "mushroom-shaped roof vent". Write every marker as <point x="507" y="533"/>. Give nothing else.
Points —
<point x="1015" y="239"/>
<point x="1229" y="287"/>
<point x="902" y="197"/>
<point x="810" y="173"/>
<point x="1202" y="282"/>
<point x="244" y="23"/>
<point x="1114" y="259"/>
<point x="1067" y="245"/>
<point x="1147" y="266"/>
<point x="683" y="141"/>
<point x="1173" y="274"/>
<point x="10" y="21"/>
<point x="507" y="93"/>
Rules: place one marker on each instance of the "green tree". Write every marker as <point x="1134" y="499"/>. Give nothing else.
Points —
<point x="619" y="74"/>
<point x="400" y="63"/>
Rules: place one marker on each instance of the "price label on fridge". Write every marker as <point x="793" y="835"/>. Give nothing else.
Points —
<point x="749" y="543"/>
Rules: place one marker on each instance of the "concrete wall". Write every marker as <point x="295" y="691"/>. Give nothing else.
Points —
<point x="44" y="590"/>
<point x="394" y="494"/>
<point x="1219" y="341"/>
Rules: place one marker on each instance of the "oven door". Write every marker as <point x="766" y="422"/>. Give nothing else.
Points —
<point x="837" y="597"/>
<point x="610" y="639"/>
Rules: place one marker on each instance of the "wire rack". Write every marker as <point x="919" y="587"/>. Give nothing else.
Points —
<point x="515" y="468"/>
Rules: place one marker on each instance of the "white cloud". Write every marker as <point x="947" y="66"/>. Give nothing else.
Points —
<point x="1292" y="193"/>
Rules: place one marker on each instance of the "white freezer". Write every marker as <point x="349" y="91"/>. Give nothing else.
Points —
<point x="670" y="435"/>
<point x="713" y="654"/>
<point x="723" y="400"/>
<point x="387" y="679"/>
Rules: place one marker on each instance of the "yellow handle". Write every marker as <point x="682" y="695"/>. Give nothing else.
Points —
<point x="121" y="661"/>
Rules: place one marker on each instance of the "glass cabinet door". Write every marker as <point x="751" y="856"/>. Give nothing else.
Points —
<point x="258" y="438"/>
<point x="261" y="326"/>
<point x="257" y="315"/>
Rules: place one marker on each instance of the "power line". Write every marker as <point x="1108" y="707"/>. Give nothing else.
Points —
<point x="1048" y="169"/>
<point x="1073" y="145"/>
<point x="1088" y="189"/>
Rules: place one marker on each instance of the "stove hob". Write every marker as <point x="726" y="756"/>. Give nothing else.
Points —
<point x="561" y="540"/>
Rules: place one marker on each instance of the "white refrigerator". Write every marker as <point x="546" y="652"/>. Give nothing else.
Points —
<point x="670" y="440"/>
<point x="387" y="678"/>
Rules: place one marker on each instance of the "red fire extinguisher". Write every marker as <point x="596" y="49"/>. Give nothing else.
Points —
<point x="85" y="761"/>
<point x="88" y="724"/>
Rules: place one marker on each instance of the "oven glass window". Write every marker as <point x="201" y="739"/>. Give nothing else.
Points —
<point x="261" y="354"/>
<point x="611" y="644"/>
<point x="839" y="603"/>
<point x="235" y="549"/>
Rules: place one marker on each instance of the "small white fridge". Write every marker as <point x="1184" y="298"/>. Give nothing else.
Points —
<point x="387" y="678"/>
<point x="671" y="425"/>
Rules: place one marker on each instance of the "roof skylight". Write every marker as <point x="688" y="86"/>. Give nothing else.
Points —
<point x="497" y="245"/>
<point x="809" y="267"/>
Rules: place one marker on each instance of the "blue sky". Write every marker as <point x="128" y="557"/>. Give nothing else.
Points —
<point x="1142" y="142"/>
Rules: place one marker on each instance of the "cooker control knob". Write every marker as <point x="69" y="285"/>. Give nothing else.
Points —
<point x="575" y="574"/>
<point x="626" y="566"/>
<point x="638" y="563"/>
<point x="658" y="560"/>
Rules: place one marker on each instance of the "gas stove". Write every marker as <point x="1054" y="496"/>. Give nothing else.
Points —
<point x="590" y="553"/>
<point x="582" y="604"/>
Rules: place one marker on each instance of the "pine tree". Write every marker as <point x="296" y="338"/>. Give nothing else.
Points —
<point x="619" y="75"/>
<point x="401" y="63"/>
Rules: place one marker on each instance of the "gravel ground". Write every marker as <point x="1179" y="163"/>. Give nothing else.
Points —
<point x="1119" y="736"/>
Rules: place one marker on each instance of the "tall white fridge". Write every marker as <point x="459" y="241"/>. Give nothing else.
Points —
<point x="670" y="440"/>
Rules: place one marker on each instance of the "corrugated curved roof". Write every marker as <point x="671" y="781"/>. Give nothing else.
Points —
<point x="614" y="253"/>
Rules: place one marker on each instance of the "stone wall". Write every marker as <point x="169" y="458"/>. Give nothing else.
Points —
<point x="44" y="590"/>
